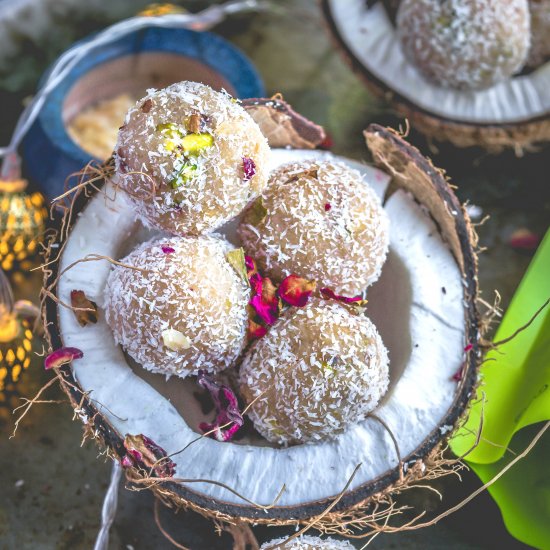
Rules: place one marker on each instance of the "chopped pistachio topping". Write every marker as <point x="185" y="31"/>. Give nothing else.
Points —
<point x="193" y="143"/>
<point x="184" y="174"/>
<point x="175" y="340"/>
<point x="177" y="139"/>
<point x="257" y="212"/>
<point x="238" y="263"/>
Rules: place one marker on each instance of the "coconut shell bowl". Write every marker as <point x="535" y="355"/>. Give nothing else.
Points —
<point x="117" y="75"/>
<point x="470" y="73"/>
<point x="233" y="376"/>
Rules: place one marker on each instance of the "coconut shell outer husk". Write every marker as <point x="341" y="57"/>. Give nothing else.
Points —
<point x="362" y="507"/>
<point x="521" y="136"/>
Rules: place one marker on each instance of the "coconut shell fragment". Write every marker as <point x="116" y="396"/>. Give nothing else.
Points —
<point x="84" y="309"/>
<point x="282" y="125"/>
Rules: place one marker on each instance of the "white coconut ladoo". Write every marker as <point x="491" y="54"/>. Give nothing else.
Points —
<point x="465" y="44"/>
<point x="177" y="306"/>
<point x="514" y="113"/>
<point x="321" y="221"/>
<point x="190" y="158"/>
<point x="317" y="371"/>
<point x="307" y="542"/>
<point x="425" y="332"/>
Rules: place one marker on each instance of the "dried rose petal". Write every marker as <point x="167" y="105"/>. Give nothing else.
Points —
<point x="61" y="357"/>
<point x="331" y="295"/>
<point x="328" y="206"/>
<point x="144" y="450"/>
<point x="126" y="461"/>
<point x="256" y="213"/>
<point x="227" y="410"/>
<point x="327" y="143"/>
<point x="459" y="374"/>
<point x="255" y="330"/>
<point x="249" y="168"/>
<point x="167" y="249"/>
<point x="523" y="239"/>
<point x="250" y="264"/>
<point x="266" y="304"/>
<point x="296" y="290"/>
<point x="256" y="283"/>
<point x="80" y="302"/>
<point x="267" y="312"/>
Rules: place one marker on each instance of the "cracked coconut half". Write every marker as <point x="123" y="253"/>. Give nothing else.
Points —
<point x="472" y="72"/>
<point x="377" y="383"/>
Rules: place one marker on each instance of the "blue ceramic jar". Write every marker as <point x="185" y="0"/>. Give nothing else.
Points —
<point x="150" y="58"/>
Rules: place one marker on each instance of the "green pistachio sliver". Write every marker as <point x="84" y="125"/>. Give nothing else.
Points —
<point x="194" y="143"/>
<point x="236" y="259"/>
<point x="257" y="212"/>
<point x="183" y="175"/>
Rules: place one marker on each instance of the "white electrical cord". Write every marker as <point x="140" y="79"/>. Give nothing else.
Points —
<point x="200" y="21"/>
<point x="108" y="511"/>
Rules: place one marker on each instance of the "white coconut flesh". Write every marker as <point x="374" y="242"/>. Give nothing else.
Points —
<point x="371" y="38"/>
<point x="417" y="305"/>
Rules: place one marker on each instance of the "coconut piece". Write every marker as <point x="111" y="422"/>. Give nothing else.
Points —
<point x="465" y="44"/>
<point x="319" y="369"/>
<point x="178" y="313"/>
<point x="190" y="158"/>
<point x="307" y="542"/>
<point x="425" y="343"/>
<point x="513" y="114"/>
<point x="290" y="229"/>
<point x="540" y="32"/>
<point x="282" y="125"/>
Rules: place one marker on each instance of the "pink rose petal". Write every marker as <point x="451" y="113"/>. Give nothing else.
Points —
<point x="227" y="409"/>
<point x="61" y="357"/>
<point x="249" y="168"/>
<point x="167" y="249"/>
<point x="331" y="295"/>
<point x="295" y="290"/>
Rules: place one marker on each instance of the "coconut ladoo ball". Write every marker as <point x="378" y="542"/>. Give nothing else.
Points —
<point x="540" y="32"/>
<point x="465" y="44"/>
<point x="321" y="221"/>
<point x="190" y="158"/>
<point x="307" y="542"/>
<point x="319" y="369"/>
<point x="180" y="307"/>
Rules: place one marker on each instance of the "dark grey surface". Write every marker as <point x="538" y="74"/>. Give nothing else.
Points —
<point x="52" y="488"/>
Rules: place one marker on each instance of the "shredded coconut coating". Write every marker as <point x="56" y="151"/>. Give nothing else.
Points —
<point x="540" y="32"/>
<point x="318" y="369"/>
<point x="193" y="290"/>
<point x="322" y="222"/>
<point x="465" y="44"/>
<point x="212" y="187"/>
<point x="307" y="542"/>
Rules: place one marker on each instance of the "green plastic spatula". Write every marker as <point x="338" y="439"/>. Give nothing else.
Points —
<point x="516" y="383"/>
